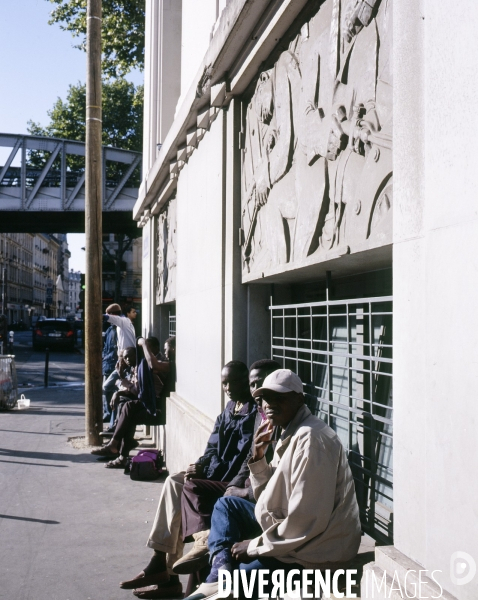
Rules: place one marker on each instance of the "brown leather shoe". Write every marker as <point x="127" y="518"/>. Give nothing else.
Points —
<point x="164" y="590"/>
<point x="143" y="580"/>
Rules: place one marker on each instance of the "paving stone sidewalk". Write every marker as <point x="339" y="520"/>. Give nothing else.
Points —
<point x="69" y="528"/>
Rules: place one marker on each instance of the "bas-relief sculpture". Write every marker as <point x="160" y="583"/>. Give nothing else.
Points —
<point x="166" y="258"/>
<point x="317" y="157"/>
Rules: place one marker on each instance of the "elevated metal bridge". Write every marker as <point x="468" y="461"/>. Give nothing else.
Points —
<point x="42" y="186"/>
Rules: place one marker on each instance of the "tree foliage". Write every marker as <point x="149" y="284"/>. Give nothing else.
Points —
<point x="122" y="121"/>
<point x="123" y="31"/>
<point x="122" y="115"/>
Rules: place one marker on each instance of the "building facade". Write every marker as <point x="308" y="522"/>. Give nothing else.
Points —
<point x="16" y="259"/>
<point x="284" y="217"/>
<point x="33" y="276"/>
<point x="122" y="269"/>
<point x="74" y="288"/>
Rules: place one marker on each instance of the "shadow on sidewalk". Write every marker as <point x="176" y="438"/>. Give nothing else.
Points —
<point x="44" y="521"/>
<point x="74" y="458"/>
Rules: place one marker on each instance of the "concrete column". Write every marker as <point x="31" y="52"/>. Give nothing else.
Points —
<point x="235" y="295"/>
<point x="171" y="50"/>
<point x="435" y="280"/>
<point x="162" y="73"/>
<point x="147" y="282"/>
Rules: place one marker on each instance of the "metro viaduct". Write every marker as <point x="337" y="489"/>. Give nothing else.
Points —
<point x="50" y="198"/>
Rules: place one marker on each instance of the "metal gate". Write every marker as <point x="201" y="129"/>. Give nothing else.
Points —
<point x="342" y="351"/>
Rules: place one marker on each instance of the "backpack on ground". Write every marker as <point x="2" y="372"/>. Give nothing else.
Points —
<point x="146" y="465"/>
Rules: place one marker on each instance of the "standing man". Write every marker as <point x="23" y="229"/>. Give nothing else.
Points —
<point x="125" y="328"/>
<point x="126" y="339"/>
<point x="110" y="358"/>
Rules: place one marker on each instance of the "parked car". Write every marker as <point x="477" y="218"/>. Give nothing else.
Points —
<point x="53" y="333"/>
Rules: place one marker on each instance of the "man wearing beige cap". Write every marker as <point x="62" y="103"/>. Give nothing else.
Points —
<point x="306" y="514"/>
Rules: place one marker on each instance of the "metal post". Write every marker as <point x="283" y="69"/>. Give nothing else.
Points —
<point x="93" y="227"/>
<point x="4" y="297"/>
<point x="47" y="364"/>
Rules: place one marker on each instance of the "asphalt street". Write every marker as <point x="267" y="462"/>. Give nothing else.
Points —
<point x="69" y="528"/>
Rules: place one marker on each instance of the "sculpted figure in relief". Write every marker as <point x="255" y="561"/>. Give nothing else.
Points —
<point x="318" y="145"/>
<point x="166" y="258"/>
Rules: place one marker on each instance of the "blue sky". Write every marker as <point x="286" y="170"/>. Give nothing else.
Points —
<point x="37" y="66"/>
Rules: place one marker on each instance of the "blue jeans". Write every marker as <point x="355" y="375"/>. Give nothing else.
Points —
<point x="233" y="520"/>
<point x="109" y="388"/>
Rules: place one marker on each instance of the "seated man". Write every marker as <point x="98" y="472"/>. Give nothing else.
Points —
<point x="151" y="378"/>
<point x="225" y="452"/>
<point x="126" y="338"/>
<point x="306" y="514"/>
<point x="200" y="495"/>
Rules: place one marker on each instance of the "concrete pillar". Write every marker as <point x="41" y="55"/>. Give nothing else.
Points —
<point x="235" y="294"/>
<point x="435" y="245"/>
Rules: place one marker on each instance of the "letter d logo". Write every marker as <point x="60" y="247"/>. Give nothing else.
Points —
<point x="462" y="568"/>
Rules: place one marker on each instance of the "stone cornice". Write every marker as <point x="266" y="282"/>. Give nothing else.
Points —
<point x="247" y="32"/>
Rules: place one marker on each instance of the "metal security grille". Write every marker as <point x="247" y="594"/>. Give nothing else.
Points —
<point x="342" y="351"/>
<point x="172" y="325"/>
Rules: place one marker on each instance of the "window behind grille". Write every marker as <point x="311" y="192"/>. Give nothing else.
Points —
<point x="342" y="351"/>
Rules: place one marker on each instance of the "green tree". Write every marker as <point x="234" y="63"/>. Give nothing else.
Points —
<point x="123" y="31"/>
<point x="122" y="122"/>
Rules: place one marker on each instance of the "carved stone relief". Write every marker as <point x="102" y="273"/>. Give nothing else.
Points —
<point x="317" y="157"/>
<point x="166" y="257"/>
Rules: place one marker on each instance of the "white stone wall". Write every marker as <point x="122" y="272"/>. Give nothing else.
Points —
<point x="435" y="239"/>
<point x="199" y="275"/>
<point x="435" y="282"/>
<point x="197" y="27"/>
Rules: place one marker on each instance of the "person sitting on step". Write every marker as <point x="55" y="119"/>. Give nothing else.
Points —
<point x="200" y="495"/>
<point x="152" y="375"/>
<point x="228" y="446"/>
<point x="306" y="515"/>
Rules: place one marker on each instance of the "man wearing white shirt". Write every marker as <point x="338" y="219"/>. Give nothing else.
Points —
<point x="126" y="339"/>
<point x="125" y="328"/>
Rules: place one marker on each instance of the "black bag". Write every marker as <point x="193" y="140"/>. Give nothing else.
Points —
<point x="146" y="465"/>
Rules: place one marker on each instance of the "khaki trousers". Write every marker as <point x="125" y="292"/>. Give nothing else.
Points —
<point x="166" y="534"/>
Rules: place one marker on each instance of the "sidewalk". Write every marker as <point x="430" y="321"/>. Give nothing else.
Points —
<point x="69" y="528"/>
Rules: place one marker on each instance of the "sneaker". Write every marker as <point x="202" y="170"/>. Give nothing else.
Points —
<point x="205" y="590"/>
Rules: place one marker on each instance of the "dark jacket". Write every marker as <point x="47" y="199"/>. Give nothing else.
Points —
<point x="229" y="442"/>
<point x="110" y="351"/>
<point x="147" y="392"/>
<point x="242" y="480"/>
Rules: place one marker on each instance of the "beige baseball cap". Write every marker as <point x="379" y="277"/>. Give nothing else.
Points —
<point x="282" y="381"/>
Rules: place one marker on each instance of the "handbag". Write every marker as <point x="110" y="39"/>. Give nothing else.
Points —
<point x="146" y="465"/>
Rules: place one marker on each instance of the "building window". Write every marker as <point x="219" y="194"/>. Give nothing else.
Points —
<point x="172" y="325"/>
<point x="342" y="351"/>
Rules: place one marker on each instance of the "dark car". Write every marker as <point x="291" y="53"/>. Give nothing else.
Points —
<point x="54" y="333"/>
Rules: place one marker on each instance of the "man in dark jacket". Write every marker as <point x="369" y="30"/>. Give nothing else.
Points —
<point x="150" y="381"/>
<point x="110" y="358"/>
<point x="199" y="496"/>
<point x="226" y="450"/>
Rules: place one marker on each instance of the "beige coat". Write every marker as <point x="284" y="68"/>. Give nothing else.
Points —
<point x="306" y="501"/>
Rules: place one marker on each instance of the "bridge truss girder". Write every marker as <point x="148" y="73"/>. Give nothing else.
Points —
<point x="25" y="190"/>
